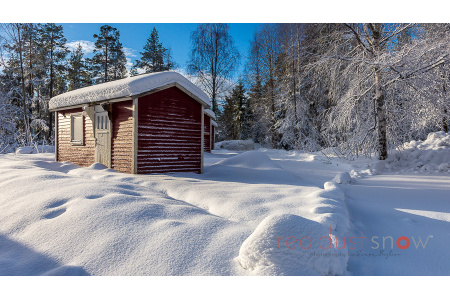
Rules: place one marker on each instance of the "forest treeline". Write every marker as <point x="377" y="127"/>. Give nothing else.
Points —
<point x="354" y="89"/>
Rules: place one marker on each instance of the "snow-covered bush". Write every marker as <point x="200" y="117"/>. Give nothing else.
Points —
<point x="430" y="155"/>
<point x="237" y="145"/>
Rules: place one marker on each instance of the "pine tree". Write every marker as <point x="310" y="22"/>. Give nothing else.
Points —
<point x="118" y="61"/>
<point x="53" y="50"/>
<point x="109" y="58"/>
<point x="253" y="123"/>
<point x="155" y="58"/>
<point x="78" y="75"/>
<point x="233" y="118"/>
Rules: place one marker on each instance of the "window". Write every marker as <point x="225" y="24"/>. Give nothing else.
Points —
<point x="102" y="121"/>
<point x="76" y="129"/>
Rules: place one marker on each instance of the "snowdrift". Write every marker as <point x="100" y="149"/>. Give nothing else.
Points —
<point x="252" y="167"/>
<point x="89" y="221"/>
<point x="34" y="150"/>
<point x="429" y="156"/>
<point x="61" y="219"/>
<point x="274" y="248"/>
<point x="250" y="159"/>
<point x="236" y="145"/>
<point x="342" y="178"/>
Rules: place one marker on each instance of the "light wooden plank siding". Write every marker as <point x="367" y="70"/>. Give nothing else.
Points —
<point x="82" y="155"/>
<point x="169" y="133"/>
<point x="207" y="132"/>
<point x="122" y="137"/>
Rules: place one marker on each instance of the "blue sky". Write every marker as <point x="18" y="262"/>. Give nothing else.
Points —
<point x="174" y="35"/>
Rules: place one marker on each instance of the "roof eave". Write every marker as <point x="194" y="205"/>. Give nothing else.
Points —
<point x="112" y="100"/>
<point x="174" y="84"/>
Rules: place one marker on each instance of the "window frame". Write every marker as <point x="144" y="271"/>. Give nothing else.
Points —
<point x="72" y="129"/>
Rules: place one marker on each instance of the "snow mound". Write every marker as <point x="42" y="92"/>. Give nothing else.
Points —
<point x="250" y="159"/>
<point x="429" y="156"/>
<point x="34" y="150"/>
<point x="332" y="209"/>
<point x="127" y="87"/>
<point x="236" y="145"/>
<point x="343" y="178"/>
<point x="24" y="150"/>
<point x="274" y="248"/>
<point x="97" y="166"/>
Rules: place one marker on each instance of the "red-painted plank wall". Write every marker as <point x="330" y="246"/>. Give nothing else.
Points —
<point x="169" y="133"/>
<point x="207" y="132"/>
<point x="213" y="137"/>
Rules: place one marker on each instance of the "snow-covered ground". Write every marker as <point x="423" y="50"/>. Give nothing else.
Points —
<point x="264" y="212"/>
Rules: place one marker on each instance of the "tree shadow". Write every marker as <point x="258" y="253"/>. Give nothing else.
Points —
<point x="17" y="259"/>
<point x="63" y="167"/>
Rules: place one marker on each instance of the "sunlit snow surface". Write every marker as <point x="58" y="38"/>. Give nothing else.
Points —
<point x="60" y="219"/>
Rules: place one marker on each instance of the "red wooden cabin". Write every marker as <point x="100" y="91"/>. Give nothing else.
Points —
<point x="209" y="130"/>
<point x="213" y="133"/>
<point x="151" y="123"/>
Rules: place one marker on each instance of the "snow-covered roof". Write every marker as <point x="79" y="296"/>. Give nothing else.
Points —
<point x="214" y="123"/>
<point x="127" y="87"/>
<point x="210" y="113"/>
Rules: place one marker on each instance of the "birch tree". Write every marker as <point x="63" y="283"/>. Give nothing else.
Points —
<point x="366" y="114"/>
<point x="213" y="59"/>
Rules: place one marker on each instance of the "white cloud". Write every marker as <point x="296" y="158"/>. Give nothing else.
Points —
<point x="88" y="46"/>
<point x="129" y="52"/>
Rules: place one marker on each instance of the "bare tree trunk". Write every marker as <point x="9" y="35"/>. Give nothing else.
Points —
<point x="379" y="97"/>
<point x="381" y="116"/>
<point x="50" y="114"/>
<point x="106" y="62"/>
<point x="272" y="105"/>
<point x="30" y="53"/>
<point x="215" y="38"/>
<point x="445" y="121"/>
<point x="214" y="95"/>
<point x="22" y="75"/>
<point x="445" y="118"/>
<point x="296" y="133"/>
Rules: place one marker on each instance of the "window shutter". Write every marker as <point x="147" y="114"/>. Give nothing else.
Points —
<point x="77" y="127"/>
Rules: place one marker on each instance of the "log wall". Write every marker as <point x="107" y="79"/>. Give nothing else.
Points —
<point x="122" y="136"/>
<point x="82" y="155"/>
<point x="169" y="133"/>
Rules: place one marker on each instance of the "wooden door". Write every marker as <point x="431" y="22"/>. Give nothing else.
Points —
<point x="103" y="138"/>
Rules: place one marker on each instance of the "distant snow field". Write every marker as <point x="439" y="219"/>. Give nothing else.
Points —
<point x="257" y="212"/>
